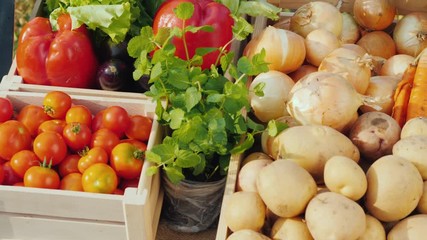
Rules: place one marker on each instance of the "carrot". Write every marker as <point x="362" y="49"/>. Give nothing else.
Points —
<point x="417" y="104"/>
<point x="402" y="94"/>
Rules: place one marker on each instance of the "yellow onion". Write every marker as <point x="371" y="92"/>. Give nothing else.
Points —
<point x="318" y="44"/>
<point x="350" y="29"/>
<point x="302" y="71"/>
<point x="350" y="65"/>
<point x="411" y="5"/>
<point x="378" y="43"/>
<point x="396" y="65"/>
<point x="315" y="15"/>
<point x="410" y="33"/>
<point x="358" y="49"/>
<point x="374" y="14"/>
<point x="381" y="89"/>
<point x="285" y="50"/>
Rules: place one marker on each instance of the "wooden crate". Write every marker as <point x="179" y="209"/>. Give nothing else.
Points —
<point x="32" y="213"/>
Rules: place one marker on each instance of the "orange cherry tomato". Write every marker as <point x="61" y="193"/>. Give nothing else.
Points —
<point x="97" y="121"/>
<point x="72" y="182"/>
<point x="140" y="145"/>
<point x="139" y="128"/>
<point x="79" y="113"/>
<point x="32" y="116"/>
<point x="77" y="136"/>
<point x="127" y="160"/>
<point x="22" y="161"/>
<point x="56" y="104"/>
<point x="41" y="177"/>
<point x="116" y="119"/>
<point x="14" y="137"/>
<point x="94" y="155"/>
<point x="54" y="125"/>
<point x="50" y="146"/>
<point x="69" y="165"/>
<point x="99" y="178"/>
<point x="104" y="138"/>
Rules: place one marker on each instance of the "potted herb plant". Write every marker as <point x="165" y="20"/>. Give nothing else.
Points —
<point x="204" y="112"/>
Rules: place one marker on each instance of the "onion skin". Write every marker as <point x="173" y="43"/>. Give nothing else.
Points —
<point x="374" y="14"/>
<point x="350" y="29"/>
<point x="378" y="43"/>
<point x="381" y="88"/>
<point x="396" y="65"/>
<point x="285" y="50"/>
<point x="410" y="34"/>
<point x="315" y="15"/>
<point x="302" y="71"/>
<point x="318" y="44"/>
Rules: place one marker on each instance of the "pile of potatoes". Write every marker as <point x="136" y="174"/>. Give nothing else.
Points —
<point x="314" y="182"/>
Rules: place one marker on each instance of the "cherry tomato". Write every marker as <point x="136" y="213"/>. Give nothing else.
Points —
<point x="69" y="165"/>
<point x="53" y="125"/>
<point x="97" y="121"/>
<point x="6" y="109"/>
<point x="32" y="116"/>
<point x="19" y="184"/>
<point x="14" y="138"/>
<point x="99" y="178"/>
<point x="139" y="128"/>
<point x="118" y="191"/>
<point x="94" y="155"/>
<point x="138" y="144"/>
<point x="116" y="119"/>
<point x="79" y="113"/>
<point x="56" y="104"/>
<point x="1" y="174"/>
<point x="127" y="160"/>
<point x="72" y="182"/>
<point x="104" y="138"/>
<point x="41" y="177"/>
<point x="22" y="161"/>
<point x="50" y="146"/>
<point x="77" y="136"/>
<point x="125" y="183"/>
<point x="10" y="176"/>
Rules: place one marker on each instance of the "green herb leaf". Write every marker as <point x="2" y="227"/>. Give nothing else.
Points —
<point x="177" y="116"/>
<point x="275" y="127"/>
<point x="259" y="89"/>
<point x="184" y="10"/>
<point x="242" y="28"/>
<point x="255" y="126"/>
<point x="194" y="29"/>
<point x="152" y="170"/>
<point x="192" y="98"/>
<point x="187" y="159"/>
<point x="204" y="51"/>
<point x="259" y="8"/>
<point x="247" y="143"/>
<point x="166" y="153"/>
<point x="174" y="174"/>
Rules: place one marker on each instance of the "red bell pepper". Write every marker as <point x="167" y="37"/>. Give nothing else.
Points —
<point x="206" y="12"/>
<point x="60" y="58"/>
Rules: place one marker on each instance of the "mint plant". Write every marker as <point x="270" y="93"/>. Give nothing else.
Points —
<point x="204" y="112"/>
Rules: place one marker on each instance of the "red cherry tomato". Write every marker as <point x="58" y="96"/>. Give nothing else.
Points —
<point x="32" y="116"/>
<point x="94" y="155"/>
<point x="80" y="114"/>
<point x="99" y="178"/>
<point x="77" y="136"/>
<point x="14" y="138"/>
<point x="41" y="177"/>
<point x="56" y="104"/>
<point x="104" y="138"/>
<point x="97" y="121"/>
<point x="72" y="182"/>
<point x="139" y="128"/>
<point x="22" y="161"/>
<point x="69" y="165"/>
<point x="53" y="125"/>
<point x="10" y="176"/>
<point x="6" y="109"/>
<point x="1" y="174"/>
<point x="127" y="160"/>
<point x="50" y="146"/>
<point x="116" y="119"/>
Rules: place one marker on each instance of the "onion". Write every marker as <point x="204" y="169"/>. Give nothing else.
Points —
<point x="350" y="65"/>
<point x="285" y="50"/>
<point x="374" y="14"/>
<point x="358" y="49"/>
<point x="302" y="71"/>
<point x="378" y="43"/>
<point x="276" y="88"/>
<point x="350" y="30"/>
<point x="324" y="98"/>
<point x="381" y="89"/>
<point x="315" y="15"/>
<point x="411" y="5"/>
<point x="318" y="44"/>
<point x="410" y="34"/>
<point x="396" y="65"/>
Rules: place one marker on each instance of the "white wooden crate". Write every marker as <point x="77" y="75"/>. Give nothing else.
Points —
<point x="32" y="213"/>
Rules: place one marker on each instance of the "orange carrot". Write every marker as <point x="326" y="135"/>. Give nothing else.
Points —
<point x="417" y="104"/>
<point x="402" y="94"/>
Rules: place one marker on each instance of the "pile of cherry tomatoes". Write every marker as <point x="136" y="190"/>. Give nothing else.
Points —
<point x="61" y="145"/>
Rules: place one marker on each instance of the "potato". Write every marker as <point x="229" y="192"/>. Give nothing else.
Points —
<point x="332" y="216"/>
<point x="343" y="175"/>
<point x="255" y="156"/>
<point x="374" y="229"/>
<point x="267" y="140"/>
<point x="290" y="228"/>
<point x="285" y="187"/>
<point x="394" y="188"/>
<point x="247" y="234"/>
<point x="414" y="126"/>
<point x="374" y="133"/>
<point x="311" y="146"/>
<point x="414" y="149"/>
<point x="422" y="204"/>
<point x="410" y="228"/>
<point x="246" y="179"/>
<point x="244" y="210"/>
